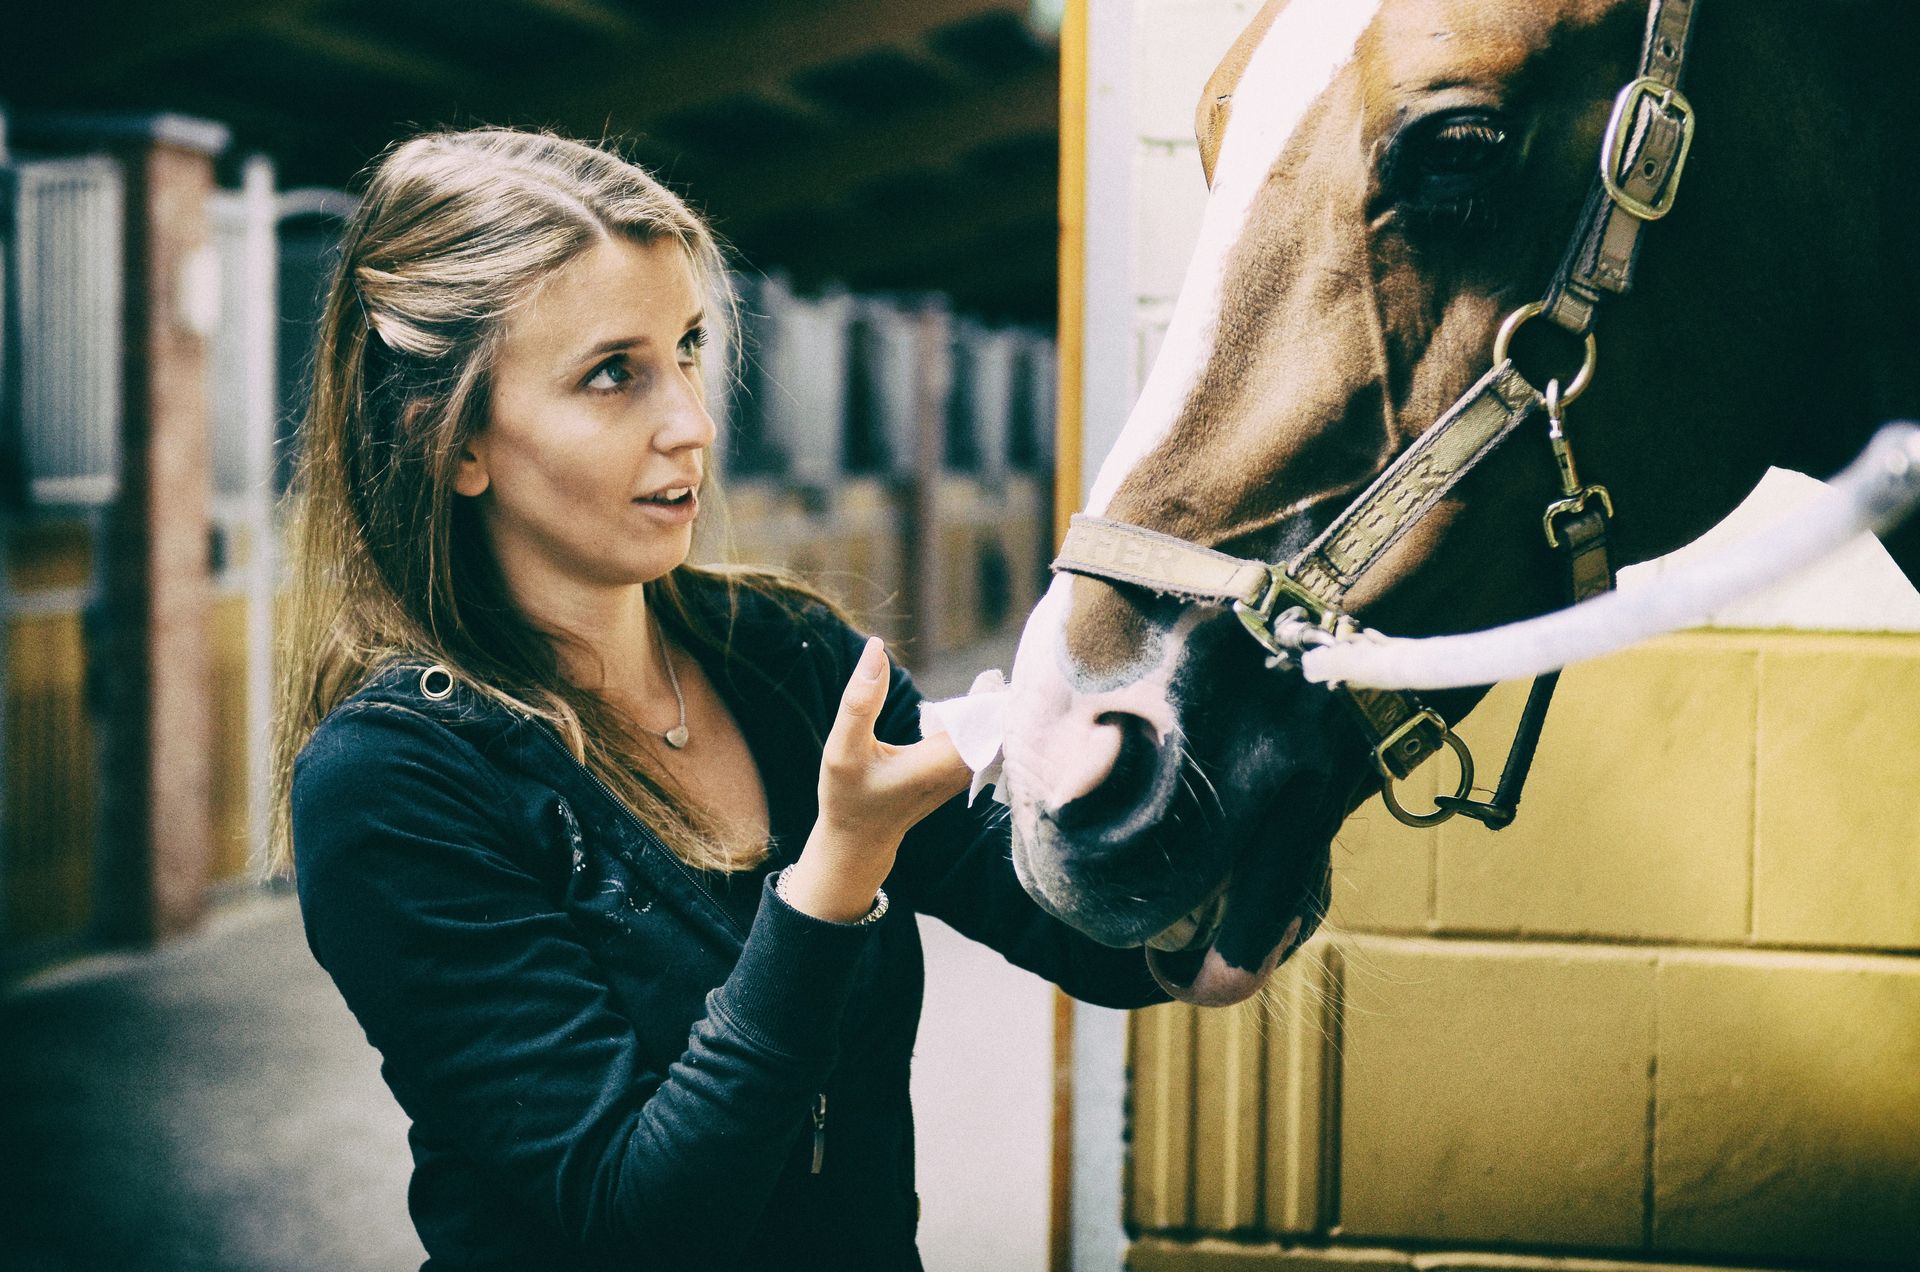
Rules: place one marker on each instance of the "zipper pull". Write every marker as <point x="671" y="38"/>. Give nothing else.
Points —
<point x="819" y="1131"/>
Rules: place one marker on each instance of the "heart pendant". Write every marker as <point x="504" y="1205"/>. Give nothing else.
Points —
<point x="676" y="737"/>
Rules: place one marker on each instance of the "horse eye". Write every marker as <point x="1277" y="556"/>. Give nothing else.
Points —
<point x="1440" y="164"/>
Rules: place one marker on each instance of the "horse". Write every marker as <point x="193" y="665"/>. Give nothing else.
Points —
<point x="1390" y="179"/>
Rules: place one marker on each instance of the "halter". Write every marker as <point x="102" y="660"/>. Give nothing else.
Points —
<point x="1288" y="607"/>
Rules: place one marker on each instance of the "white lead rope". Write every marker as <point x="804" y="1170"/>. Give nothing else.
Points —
<point x="1873" y="493"/>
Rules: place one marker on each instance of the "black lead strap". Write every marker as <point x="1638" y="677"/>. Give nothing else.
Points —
<point x="1584" y="544"/>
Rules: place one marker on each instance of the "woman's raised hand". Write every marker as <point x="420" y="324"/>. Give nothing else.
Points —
<point x="871" y="794"/>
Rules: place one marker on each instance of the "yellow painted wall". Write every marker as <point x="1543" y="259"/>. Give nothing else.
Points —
<point x="1672" y="1013"/>
<point x="232" y="829"/>
<point x="50" y="759"/>
<point x="48" y="837"/>
<point x="50" y="780"/>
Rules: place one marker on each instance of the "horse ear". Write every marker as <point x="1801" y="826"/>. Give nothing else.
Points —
<point x="1209" y="126"/>
<point x="1216" y="103"/>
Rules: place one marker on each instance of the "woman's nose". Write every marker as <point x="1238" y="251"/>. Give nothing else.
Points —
<point x="689" y="423"/>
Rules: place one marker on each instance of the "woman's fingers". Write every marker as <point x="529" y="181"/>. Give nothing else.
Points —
<point x="865" y="779"/>
<point x="851" y="739"/>
<point x="931" y="767"/>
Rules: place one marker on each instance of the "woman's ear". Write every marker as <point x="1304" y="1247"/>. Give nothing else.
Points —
<point x="470" y="477"/>
<point x="470" y="470"/>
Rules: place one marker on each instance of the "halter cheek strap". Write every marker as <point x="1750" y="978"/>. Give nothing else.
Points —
<point x="1648" y="137"/>
<point x="1286" y="607"/>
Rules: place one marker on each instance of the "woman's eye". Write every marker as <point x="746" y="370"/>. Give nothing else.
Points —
<point x="692" y="343"/>
<point x="609" y="375"/>
<point x="1440" y="165"/>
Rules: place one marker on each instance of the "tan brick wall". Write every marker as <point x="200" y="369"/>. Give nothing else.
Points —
<point x="1673" y="1012"/>
<point x="1213" y="1255"/>
<point x="1720" y="788"/>
<point x="1788" y="1107"/>
<point x="1229" y="1113"/>
<point x="1494" y="1093"/>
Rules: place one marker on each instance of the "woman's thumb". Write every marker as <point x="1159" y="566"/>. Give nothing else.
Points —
<point x="865" y="692"/>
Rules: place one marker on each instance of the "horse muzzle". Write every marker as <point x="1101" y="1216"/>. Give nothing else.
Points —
<point x="1108" y="856"/>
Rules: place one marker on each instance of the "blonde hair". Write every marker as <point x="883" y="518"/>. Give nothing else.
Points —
<point x="453" y="230"/>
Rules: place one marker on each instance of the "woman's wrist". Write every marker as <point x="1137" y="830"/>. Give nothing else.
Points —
<point x="819" y="894"/>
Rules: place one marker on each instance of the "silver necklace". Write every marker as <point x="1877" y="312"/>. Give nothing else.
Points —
<point x="676" y="737"/>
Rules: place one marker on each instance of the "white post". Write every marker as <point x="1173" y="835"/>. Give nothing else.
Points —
<point x="260" y="302"/>
<point x="1100" y="1034"/>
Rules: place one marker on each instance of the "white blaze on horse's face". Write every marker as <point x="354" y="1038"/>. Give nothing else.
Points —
<point x="1070" y="736"/>
<point x="1307" y="46"/>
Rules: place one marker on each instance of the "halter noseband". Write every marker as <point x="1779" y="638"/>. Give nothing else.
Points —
<point x="1286" y="607"/>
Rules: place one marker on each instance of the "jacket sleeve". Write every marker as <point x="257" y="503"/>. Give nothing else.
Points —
<point x="496" y="1031"/>
<point x="957" y="865"/>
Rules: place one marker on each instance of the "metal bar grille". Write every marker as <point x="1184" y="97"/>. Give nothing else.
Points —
<point x="242" y="389"/>
<point x="68" y="242"/>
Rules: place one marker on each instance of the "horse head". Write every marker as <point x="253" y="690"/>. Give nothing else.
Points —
<point x="1389" y="179"/>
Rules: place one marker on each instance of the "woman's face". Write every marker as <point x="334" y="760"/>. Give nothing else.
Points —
<point x="589" y="461"/>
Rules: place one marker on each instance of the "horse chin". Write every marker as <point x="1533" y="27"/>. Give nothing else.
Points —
<point x="1269" y="908"/>
<point x="1205" y="978"/>
<point x="1265" y="901"/>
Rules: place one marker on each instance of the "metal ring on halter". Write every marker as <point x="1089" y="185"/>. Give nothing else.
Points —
<point x="1439" y="815"/>
<point x="436" y="683"/>
<point x="1518" y="319"/>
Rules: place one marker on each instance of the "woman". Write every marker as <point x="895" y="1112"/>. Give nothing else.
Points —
<point x="593" y="842"/>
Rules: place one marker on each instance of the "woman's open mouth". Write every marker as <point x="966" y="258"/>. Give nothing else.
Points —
<point x="674" y="505"/>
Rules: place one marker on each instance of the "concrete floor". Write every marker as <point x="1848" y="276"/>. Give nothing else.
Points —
<point x="212" y="1106"/>
<point x="209" y="1106"/>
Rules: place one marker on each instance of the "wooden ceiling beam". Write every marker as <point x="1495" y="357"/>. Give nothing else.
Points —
<point x="937" y="136"/>
<point x="1022" y="281"/>
<point x="415" y="73"/>
<point x="714" y="59"/>
<point x="588" y="15"/>
<point x="966" y="260"/>
<point x="107" y="41"/>
<point x="256" y="124"/>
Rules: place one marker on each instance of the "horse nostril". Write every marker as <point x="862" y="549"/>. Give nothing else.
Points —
<point x="1132" y="790"/>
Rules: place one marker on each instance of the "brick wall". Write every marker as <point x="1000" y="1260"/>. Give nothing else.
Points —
<point x="1672" y="1016"/>
<point x="157" y="726"/>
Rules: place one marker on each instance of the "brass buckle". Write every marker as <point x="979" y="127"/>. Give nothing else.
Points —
<point x="1430" y="718"/>
<point x="1613" y="150"/>
<point x="1573" y="504"/>
<point x="1258" y="616"/>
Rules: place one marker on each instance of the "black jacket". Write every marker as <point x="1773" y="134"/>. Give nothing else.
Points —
<point x="612" y="1060"/>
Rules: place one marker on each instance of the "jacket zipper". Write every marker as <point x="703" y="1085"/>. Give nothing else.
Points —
<point x="820" y="1099"/>
<point x="652" y="839"/>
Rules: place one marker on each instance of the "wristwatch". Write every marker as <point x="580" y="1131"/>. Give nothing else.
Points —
<point x="874" y="915"/>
